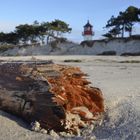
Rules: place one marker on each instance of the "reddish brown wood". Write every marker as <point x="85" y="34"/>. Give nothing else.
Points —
<point x="46" y="92"/>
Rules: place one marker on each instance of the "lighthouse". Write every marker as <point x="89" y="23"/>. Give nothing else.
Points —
<point x="88" y="33"/>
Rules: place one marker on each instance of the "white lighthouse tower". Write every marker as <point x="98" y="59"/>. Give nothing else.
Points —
<point x="88" y="33"/>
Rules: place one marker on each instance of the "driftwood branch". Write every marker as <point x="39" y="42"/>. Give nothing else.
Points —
<point x="47" y="93"/>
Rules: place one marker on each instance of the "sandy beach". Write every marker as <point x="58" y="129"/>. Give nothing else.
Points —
<point x="119" y="79"/>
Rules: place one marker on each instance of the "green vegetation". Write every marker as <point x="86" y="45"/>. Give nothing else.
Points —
<point x="6" y="47"/>
<point x="124" y="22"/>
<point x="73" y="60"/>
<point x="130" y="61"/>
<point x="36" y="32"/>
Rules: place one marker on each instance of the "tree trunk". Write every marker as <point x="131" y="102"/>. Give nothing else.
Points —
<point x="48" y="37"/>
<point x="130" y="32"/>
<point x="123" y="31"/>
<point x="47" y="93"/>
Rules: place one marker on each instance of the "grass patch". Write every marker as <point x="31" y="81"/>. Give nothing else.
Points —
<point x="4" y="48"/>
<point x="73" y="60"/>
<point x="130" y="61"/>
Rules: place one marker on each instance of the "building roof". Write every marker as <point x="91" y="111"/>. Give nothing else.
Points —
<point x="88" y="24"/>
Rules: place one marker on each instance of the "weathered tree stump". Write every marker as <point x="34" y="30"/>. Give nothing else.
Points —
<point x="47" y="93"/>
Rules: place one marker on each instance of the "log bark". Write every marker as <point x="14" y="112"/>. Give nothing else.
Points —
<point x="47" y="92"/>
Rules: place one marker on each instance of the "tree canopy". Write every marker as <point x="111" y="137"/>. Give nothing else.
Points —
<point x="124" y="22"/>
<point x="36" y="32"/>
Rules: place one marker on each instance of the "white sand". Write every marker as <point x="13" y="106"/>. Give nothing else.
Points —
<point x="120" y="83"/>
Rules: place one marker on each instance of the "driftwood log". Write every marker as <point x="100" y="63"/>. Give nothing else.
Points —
<point x="47" y="93"/>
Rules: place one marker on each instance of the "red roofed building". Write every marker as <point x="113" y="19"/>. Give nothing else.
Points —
<point x="88" y="33"/>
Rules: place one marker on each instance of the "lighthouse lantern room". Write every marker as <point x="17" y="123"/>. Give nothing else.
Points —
<point x="88" y="33"/>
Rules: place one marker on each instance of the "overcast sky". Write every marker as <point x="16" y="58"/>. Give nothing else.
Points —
<point x="74" y="12"/>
